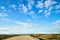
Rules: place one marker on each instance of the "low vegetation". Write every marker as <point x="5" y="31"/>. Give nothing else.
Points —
<point x="39" y="36"/>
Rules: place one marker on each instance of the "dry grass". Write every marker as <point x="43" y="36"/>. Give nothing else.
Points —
<point x="32" y="37"/>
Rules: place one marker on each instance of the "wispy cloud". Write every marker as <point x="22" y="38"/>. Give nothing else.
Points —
<point x="32" y="14"/>
<point x="27" y="9"/>
<point x="24" y="8"/>
<point x="9" y="30"/>
<point x="57" y="23"/>
<point x="13" y="6"/>
<point x="23" y="27"/>
<point x="29" y="20"/>
<point x="50" y="8"/>
<point x="6" y="19"/>
<point x="2" y="7"/>
<point x="40" y="11"/>
<point x="16" y="30"/>
<point x="47" y="14"/>
<point x="30" y="4"/>
<point x="57" y="6"/>
<point x="4" y="29"/>
<point x="3" y="14"/>
<point x="39" y="4"/>
<point x="49" y="3"/>
<point x="30" y="10"/>
<point x="24" y="24"/>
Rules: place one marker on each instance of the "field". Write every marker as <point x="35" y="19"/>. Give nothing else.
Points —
<point x="31" y="37"/>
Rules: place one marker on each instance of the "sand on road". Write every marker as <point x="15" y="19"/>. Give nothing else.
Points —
<point x="24" y="37"/>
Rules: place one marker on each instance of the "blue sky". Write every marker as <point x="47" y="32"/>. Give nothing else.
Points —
<point x="29" y="16"/>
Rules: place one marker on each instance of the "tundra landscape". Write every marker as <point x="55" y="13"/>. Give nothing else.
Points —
<point x="31" y="37"/>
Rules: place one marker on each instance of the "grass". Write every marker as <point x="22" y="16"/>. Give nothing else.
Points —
<point x="39" y="36"/>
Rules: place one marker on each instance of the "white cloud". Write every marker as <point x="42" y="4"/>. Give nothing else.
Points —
<point x="50" y="8"/>
<point x="39" y="4"/>
<point x="5" y="19"/>
<point x="13" y="6"/>
<point x="45" y="11"/>
<point x="29" y="7"/>
<point x="57" y="6"/>
<point x="57" y="23"/>
<point x="49" y="3"/>
<point x="3" y="14"/>
<point x="28" y="31"/>
<point x="4" y="29"/>
<point x="9" y="30"/>
<point x="24" y="8"/>
<point x="18" y="29"/>
<point x="24" y="24"/>
<point x="30" y="4"/>
<point x="40" y="11"/>
<point x="23" y="28"/>
<point x="29" y="20"/>
<point x="2" y="7"/>
<point x="47" y="14"/>
<point x="32" y="14"/>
